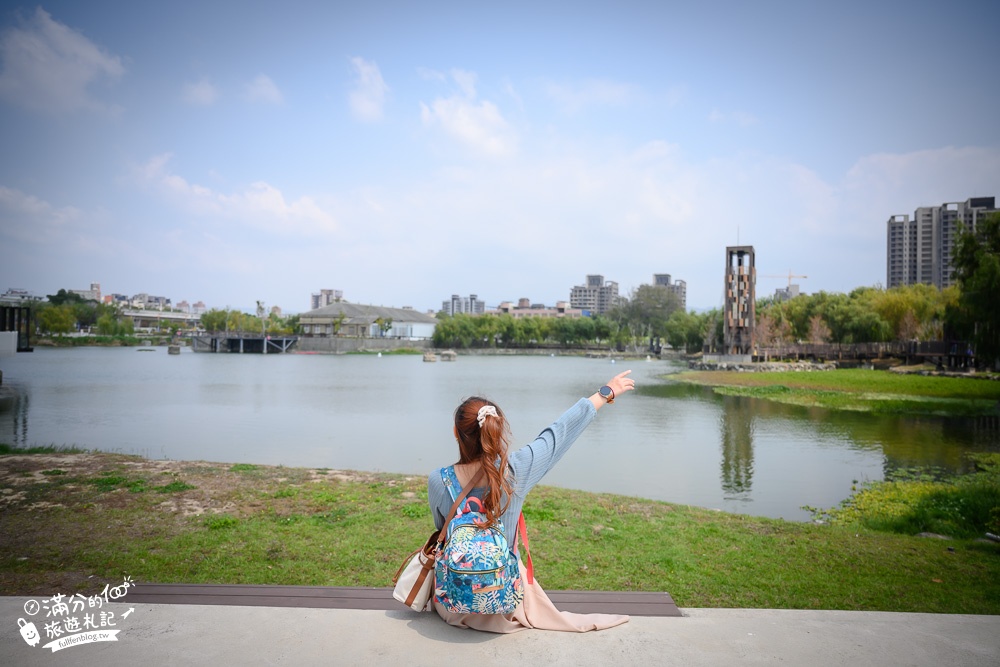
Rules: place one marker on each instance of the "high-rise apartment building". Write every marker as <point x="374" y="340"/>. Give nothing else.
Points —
<point x="919" y="250"/>
<point x="470" y="305"/>
<point x="678" y="288"/>
<point x="596" y="296"/>
<point x="325" y="297"/>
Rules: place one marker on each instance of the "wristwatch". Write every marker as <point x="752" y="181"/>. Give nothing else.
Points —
<point x="607" y="393"/>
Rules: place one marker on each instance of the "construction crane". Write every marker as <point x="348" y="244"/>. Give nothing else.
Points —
<point x="790" y="276"/>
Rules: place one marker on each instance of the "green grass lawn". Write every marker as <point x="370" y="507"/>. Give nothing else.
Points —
<point x="73" y="522"/>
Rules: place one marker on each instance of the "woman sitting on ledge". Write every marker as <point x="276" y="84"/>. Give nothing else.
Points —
<point x="483" y="434"/>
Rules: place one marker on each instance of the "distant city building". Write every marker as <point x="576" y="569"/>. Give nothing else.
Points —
<point x="919" y="250"/>
<point x="786" y="293"/>
<point x="363" y="321"/>
<point x="276" y="311"/>
<point x="184" y="306"/>
<point x="144" y="301"/>
<point x="595" y="296"/>
<point x="18" y="295"/>
<point x="739" y="311"/>
<point x="460" y="304"/>
<point x="678" y="288"/>
<point x="325" y="297"/>
<point x="525" y="308"/>
<point x="92" y="294"/>
<point x="198" y="308"/>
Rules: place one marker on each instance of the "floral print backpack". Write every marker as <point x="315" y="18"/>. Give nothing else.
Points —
<point x="476" y="568"/>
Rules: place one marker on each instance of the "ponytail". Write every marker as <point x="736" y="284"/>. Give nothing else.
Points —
<point x="487" y="445"/>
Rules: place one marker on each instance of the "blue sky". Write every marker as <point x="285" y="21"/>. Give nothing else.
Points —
<point x="401" y="152"/>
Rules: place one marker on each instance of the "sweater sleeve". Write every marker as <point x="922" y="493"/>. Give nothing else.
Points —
<point x="529" y="464"/>
<point x="533" y="461"/>
<point x="438" y="497"/>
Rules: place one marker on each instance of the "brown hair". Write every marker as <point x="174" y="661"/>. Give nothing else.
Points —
<point x="486" y="445"/>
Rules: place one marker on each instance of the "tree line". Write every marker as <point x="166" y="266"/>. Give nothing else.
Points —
<point x="967" y="311"/>
<point x="65" y="312"/>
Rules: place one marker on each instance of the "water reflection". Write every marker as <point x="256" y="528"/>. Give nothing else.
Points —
<point x="14" y="406"/>
<point x="674" y="442"/>
<point x="736" y="427"/>
<point x="937" y="442"/>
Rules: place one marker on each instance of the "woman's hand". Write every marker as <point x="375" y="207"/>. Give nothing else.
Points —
<point x="619" y="384"/>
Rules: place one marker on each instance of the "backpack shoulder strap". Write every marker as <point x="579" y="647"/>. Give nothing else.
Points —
<point x="443" y="533"/>
<point x="450" y="480"/>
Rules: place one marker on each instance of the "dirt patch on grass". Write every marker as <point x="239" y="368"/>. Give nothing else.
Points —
<point x="54" y="507"/>
<point x="41" y="481"/>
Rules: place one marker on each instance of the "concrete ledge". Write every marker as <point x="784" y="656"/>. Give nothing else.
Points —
<point x="633" y="603"/>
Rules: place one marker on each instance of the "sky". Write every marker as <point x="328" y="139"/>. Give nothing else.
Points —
<point x="402" y="152"/>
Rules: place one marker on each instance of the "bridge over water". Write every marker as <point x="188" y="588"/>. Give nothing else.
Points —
<point x="239" y="342"/>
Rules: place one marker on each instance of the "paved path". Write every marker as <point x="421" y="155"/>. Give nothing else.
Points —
<point x="153" y="635"/>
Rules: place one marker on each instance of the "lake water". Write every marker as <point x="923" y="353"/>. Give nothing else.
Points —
<point x="393" y="414"/>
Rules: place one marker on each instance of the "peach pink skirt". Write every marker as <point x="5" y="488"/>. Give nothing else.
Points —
<point x="536" y="612"/>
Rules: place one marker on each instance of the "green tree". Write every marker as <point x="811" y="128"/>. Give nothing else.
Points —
<point x="214" y="320"/>
<point x="507" y="329"/>
<point x="649" y="308"/>
<point x="384" y="325"/>
<point x="107" y="325"/>
<point x="684" y="331"/>
<point x="57" y="319"/>
<point x="976" y="259"/>
<point x="62" y="297"/>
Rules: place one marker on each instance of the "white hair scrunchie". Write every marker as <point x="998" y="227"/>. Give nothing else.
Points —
<point x="485" y="412"/>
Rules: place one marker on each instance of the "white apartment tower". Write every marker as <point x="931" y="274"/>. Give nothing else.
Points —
<point x="325" y="297"/>
<point x="678" y="288"/>
<point x="460" y="304"/>
<point x="596" y="296"/>
<point x="919" y="250"/>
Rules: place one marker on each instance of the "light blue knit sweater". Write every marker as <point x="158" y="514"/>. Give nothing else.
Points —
<point x="528" y="464"/>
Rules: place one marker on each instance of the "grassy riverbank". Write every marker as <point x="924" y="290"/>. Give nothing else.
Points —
<point x="71" y="522"/>
<point x="878" y="392"/>
<point x="99" y="341"/>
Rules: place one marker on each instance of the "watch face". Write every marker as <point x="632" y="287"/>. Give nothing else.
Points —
<point x="605" y="391"/>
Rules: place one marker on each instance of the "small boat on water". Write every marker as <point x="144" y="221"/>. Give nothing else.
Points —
<point x="174" y="349"/>
<point x="449" y="355"/>
<point x="430" y="356"/>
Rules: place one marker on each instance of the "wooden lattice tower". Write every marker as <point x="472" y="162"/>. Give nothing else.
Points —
<point x="741" y="279"/>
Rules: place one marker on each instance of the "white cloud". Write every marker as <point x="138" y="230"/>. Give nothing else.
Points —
<point x="741" y="118"/>
<point x="200" y="93"/>
<point x="594" y="92"/>
<point x="630" y="213"/>
<point x="47" y="66"/>
<point x="508" y="88"/>
<point x="478" y="125"/>
<point x="466" y="82"/>
<point x="259" y="205"/>
<point x="263" y="89"/>
<point x="28" y="218"/>
<point x="367" y="99"/>
<point x="431" y="75"/>
<point x="904" y="181"/>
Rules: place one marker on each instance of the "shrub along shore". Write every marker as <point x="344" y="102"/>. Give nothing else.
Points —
<point x="72" y="521"/>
